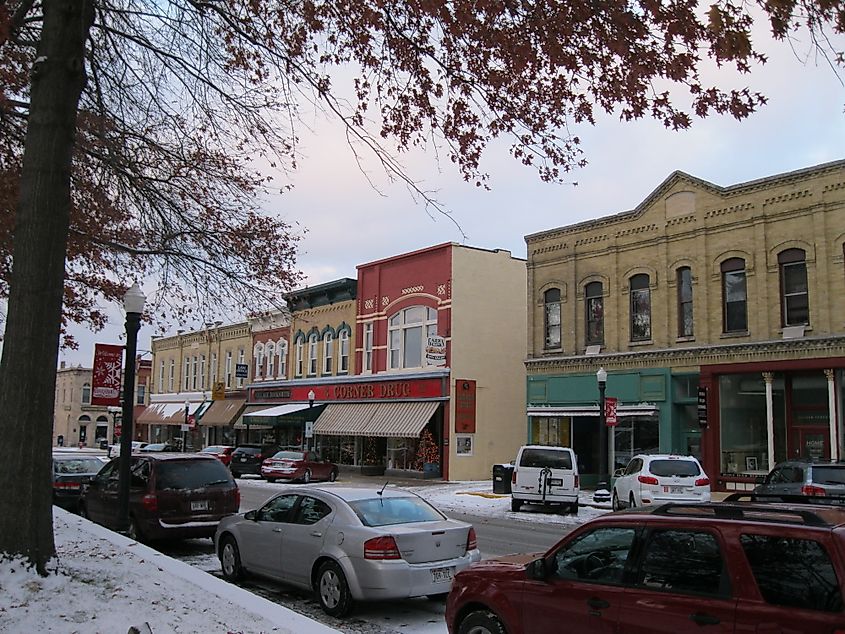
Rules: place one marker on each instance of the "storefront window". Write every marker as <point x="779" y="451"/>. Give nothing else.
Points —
<point x="634" y="435"/>
<point x="550" y="431"/>
<point x="402" y="453"/>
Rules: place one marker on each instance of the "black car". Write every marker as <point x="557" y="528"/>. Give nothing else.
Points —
<point x="247" y="459"/>
<point x="70" y="473"/>
<point x="805" y="477"/>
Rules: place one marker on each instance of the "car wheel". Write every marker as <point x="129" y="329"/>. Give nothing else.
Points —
<point x="134" y="531"/>
<point x="515" y="505"/>
<point x="573" y="508"/>
<point x="306" y="477"/>
<point x="481" y="622"/>
<point x="236" y="475"/>
<point x="615" y="503"/>
<point x="333" y="591"/>
<point x="437" y="597"/>
<point x="632" y="503"/>
<point x="270" y="480"/>
<point x="230" y="560"/>
<point x="333" y="476"/>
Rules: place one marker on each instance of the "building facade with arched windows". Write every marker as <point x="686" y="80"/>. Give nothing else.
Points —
<point x="717" y="313"/>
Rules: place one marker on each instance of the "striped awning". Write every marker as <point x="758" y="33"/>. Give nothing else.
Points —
<point x="384" y="420"/>
<point x="168" y="413"/>
<point x="224" y="412"/>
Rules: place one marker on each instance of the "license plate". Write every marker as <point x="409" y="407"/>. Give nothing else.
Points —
<point x="201" y="505"/>
<point x="555" y="482"/>
<point x="439" y="575"/>
<point x="243" y="459"/>
<point x="673" y="489"/>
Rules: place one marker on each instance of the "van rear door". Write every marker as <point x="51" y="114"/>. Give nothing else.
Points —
<point x="545" y="466"/>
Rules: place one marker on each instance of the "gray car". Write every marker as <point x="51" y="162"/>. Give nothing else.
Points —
<point x="348" y="544"/>
<point x="805" y="477"/>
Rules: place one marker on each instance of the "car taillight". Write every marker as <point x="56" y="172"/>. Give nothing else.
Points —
<point x="66" y="485"/>
<point x="577" y="480"/>
<point x="238" y="498"/>
<point x="647" y="479"/>
<point x="702" y="482"/>
<point x="381" y="548"/>
<point x="810" y="489"/>
<point x="259" y="456"/>
<point x="513" y="477"/>
<point x="150" y="503"/>
<point x="472" y="540"/>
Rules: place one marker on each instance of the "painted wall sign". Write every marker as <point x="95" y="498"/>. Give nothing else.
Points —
<point x="465" y="406"/>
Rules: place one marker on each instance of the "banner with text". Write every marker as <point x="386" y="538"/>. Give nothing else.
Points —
<point x="105" y="383"/>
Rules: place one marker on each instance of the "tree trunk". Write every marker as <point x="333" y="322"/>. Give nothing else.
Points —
<point x="28" y="366"/>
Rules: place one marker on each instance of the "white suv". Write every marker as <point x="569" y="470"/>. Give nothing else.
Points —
<point x="652" y="479"/>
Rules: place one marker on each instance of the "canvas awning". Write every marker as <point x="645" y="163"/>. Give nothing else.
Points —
<point x="384" y="420"/>
<point x="278" y="415"/>
<point x="224" y="412"/>
<point x="171" y="413"/>
<point x="239" y="423"/>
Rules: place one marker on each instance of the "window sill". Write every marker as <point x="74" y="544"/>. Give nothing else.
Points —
<point x="684" y="339"/>
<point x="552" y="350"/>
<point x="734" y="335"/>
<point x="637" y="344"/>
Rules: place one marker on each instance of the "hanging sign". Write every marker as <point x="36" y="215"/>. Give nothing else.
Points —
<point x="435" y="351"/>
<point x="702" y="406"/>
<point x="107" y="374"/>
<point x="610" y="404"/>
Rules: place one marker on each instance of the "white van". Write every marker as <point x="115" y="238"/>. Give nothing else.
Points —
<point x="545" y="475"/>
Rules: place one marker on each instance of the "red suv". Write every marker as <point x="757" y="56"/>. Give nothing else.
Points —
<point x="171" y="496"/>
<point x="726" y="567"/>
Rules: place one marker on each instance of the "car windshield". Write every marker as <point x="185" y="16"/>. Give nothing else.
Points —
<point x="249" y="450"/>
<point x="386" y="511"/>
<point x="289" y="455"/>
<point x="552" y="458"/>
<point x="190" y="474"/>
<point x="828" y="475"/>
<point x="214" y="449"/>
<point x="669" y="467"/>
<point x="78" y="465"/>
<point x="154" y="447"/>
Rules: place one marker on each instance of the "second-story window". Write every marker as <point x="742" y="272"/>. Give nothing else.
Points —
<point x="734" y="296"/>
<point x="794" y="296"/>
<point x="202" y="371"/>
<point x="86" y="394"/>
<point x="270" y="349"/>
<point x="640" y="307"/>
<point x="194" y="373"/>
<point x="161" y="376"/>
<point x="213" y="372"/>
<point x="186" y="380"/>
<point x="228" y="369"/>
<point x="283" y="358"/>
<point x="593" y="298"/>
<point x="312" y="354"/>
<point x="259" y="360"/>
<point x="171" y="375"/>
<point x="368" y="347"/>
<point x="408" y="332"/>
<point x="343" y="368"/>
<point x="685" y="322"/>
<point x="551" y="308"/>
<point x="141" y="398"/>
<point x="241" y="359"/>
<point x="300" y="354"/>
<point x="328" y="347"/>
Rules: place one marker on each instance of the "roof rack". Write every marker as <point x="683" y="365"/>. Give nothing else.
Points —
<point x="789" y="498"/>
<point x="727" y="511"/>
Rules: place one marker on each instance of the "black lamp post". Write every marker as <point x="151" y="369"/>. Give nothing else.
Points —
<point x="604" y="479"/>
<point x="133" y="304"/>
<point x="311" y="397"/>
<point x="185" y="427"/>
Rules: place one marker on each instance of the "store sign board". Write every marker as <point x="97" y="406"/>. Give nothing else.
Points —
<point x="702" y="406"/>
<point x="465" y="401"/>
<point x="435" y="351"/>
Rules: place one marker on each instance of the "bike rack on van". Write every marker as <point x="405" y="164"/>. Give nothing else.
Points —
<point x="543" y="481"/>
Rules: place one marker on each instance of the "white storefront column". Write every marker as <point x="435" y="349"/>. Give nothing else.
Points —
<point x="831" y="407"/>
<point x="768" y="378"/>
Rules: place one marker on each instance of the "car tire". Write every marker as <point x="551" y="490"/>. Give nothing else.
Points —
<point x="615" y="503"/>
<point x="306" y="477"/>
<point x="333" y="591"/>
<point x="481" y="622"/>
<point x="230" y="560"/>
<point x="235" y="474"/>
<point x="333" y="476"/>
<point x="437" y="597"/>
<point x="632" y="503"/>
<point x="573" y="508"/>
<point x="134" y="531"/>
<point x="270" y="480"/>
<point x="516" y="505"/>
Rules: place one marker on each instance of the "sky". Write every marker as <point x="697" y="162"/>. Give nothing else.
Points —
<point x="354" y="215"/>
<point x="106" y="582"/>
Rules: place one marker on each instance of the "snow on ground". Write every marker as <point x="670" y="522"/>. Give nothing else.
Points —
<point x="106" y="583"/>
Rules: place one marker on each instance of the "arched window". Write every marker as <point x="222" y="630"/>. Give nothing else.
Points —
<point x="408" y="331"/>
<point x="202" y="372"/>
<point x="794" y="296"/>
<point x="594" y="302"/>
<point x="171" y="375"/>
<point x="283" y="358"/>
<point x="241" y="359"/>
<point x="312" y="354"/>
<point x="328" y="352"/>
<point x="551" y="304"/>
<point x="270" y="349"/>
<point x="343" y="368"/>
<point x="640" y="307"/>
<point x="186" y="381"/>
<point x="86" y="393"/>
<point x="228" y="369"/>
<point x="258" y="351"/>
<point x="368" y="347"/>
<point x="734" y="296"/>
<point x="300" y="353"/>
<point x="684" y="279"/>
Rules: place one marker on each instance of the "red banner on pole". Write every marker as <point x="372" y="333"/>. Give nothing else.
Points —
<point x="610" y="403"/>
<point x="105" y="384"/>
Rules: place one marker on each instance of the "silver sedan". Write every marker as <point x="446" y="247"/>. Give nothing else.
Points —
<point x="348" y="544"/>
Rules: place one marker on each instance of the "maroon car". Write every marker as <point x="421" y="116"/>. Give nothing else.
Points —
<point x="720" y="568"/>
<point x="171" y="496"/>
<point x="221" y="452"/>
<point x="298" y="465"/>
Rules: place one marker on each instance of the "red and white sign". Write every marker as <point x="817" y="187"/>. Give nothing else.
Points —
<point x="105" y="384"/>
<point x="610" y="404"/>
<point x="192" y="421"/>
<point x="117" y="430"/>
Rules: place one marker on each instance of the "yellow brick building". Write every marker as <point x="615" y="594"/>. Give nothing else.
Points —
<point x="718" y="314"/>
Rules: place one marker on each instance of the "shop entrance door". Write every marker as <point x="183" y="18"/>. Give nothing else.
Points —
<point x="811" y="442"/>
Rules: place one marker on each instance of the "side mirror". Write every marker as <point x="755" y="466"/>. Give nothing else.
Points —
<point x="252" y="516"/>
<point x="619" y="473"/>
<point x="537" y="570"/>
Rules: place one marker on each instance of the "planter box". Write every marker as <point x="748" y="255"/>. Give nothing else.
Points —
<point x="431" y="470"/>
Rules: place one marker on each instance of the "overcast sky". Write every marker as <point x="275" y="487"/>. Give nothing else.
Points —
<point x="350" y="223"/>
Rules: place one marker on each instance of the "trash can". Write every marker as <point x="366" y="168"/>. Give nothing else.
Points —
<point x="502" y="474"/>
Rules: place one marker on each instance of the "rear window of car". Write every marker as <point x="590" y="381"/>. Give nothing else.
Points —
<point x="552" y="458"/>
<point x="289" y="455"/>
<point x="78" y="465"/>
<point x="828" y="475"/>
<point x="248" y="450"/>
<point x="674" y="468"/>
<point x="214" y="449"/>
<point x="793" y="572"/>
<point x="387" y="511"/>
<point x="190" y="474"/>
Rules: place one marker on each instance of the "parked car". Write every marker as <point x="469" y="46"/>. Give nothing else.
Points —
<point x="221" y="452"/>
<point x="155" y="447"/>
<point x="348" y="544"/>
<point x="137" y="445"/>
<point x="672" y="568"/>
<point x="70" y="473"/>
<point x="545" y="475"/>
<point x="656" y="478"/>
<point x="171" y="496"/>
<point x="247" y="459"/>
<point x="298" y="465"/>
<point x="805" y="477"/>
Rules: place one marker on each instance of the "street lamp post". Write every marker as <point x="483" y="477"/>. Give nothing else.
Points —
<point x="185" y="426"/>
<point x="311" y="397"/>
<point x="133" y="304"/>
<point x="604" y="479"/>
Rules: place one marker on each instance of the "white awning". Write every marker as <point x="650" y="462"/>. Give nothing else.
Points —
<point x="405" y="419"/>
<point x="640" y="409"/>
